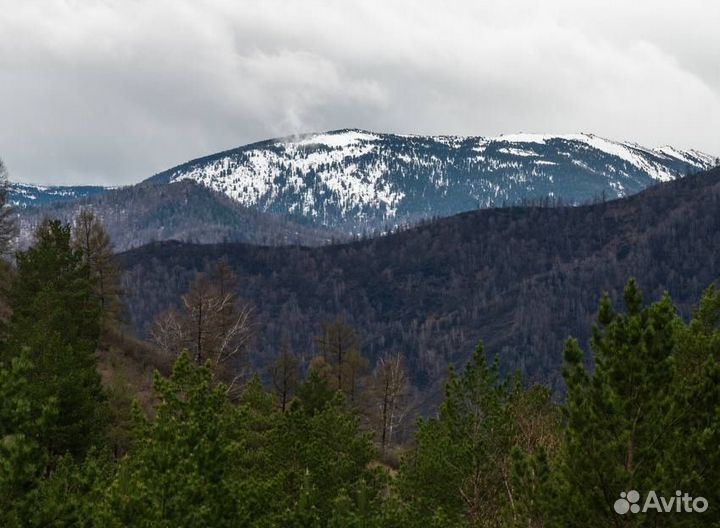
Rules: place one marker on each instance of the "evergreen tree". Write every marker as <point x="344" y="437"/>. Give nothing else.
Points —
<point x="323" y="452"/>
<point x="620" y="416"/>
<point x="460" y="472"/>
<point x="184" y="470"/>
<point x="457" y="468"/>
<point x="690" y="457"/>
<point x="56" y="317"/>
<point x="24" y="419"/>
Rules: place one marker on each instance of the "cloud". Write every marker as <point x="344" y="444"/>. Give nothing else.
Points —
<point x="112" y="91"/>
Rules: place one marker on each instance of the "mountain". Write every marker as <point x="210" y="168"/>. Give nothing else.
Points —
<point x="24" y="194"/>
<point x="356" y="180"/>
<point x="522" y="279"/>
<point x="343" y="183"/>
<point x="183" y="211"/>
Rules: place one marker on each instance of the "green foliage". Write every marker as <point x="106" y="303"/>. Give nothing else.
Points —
<point x="645" y="418"/>
<point x="322" y="449"/>
<point x="499" y="453"/>
<point x="72" y="493"/>
<point x="185" y="460"/>
<point x="461" y="468"/>
<point x="56" y="318"/>
<point x="23" y="420"/>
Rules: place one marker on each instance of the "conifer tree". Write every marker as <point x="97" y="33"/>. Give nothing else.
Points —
<point x="339" y="347"/>
<point x="460" y="472"/>
<point x="56" y="318"/>
<point x="690" y="457"/>
<point x="90" y="237"/>
<point x="618" y="417"/>
<point x="322" y="449"/>
<point x="184" y="466"/>
<point x="456" y="469"/>
<point x="24" y="419"/>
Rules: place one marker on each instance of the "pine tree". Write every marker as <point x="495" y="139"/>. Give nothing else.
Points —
<point x="456" y="469"/>
<point x="24" y="419"/>
<point x="690" y="457"/>
<point x="184" y="467"/>
<point x="321" y="449"/>
<point x="618" y="417"/>
<point x="460" y="472"/>
<point x="57" y="318"/>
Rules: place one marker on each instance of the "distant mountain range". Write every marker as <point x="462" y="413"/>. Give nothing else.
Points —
<point x="26" y="194"/>
<point x="184" y="210"/>
<point x="349" y="182"/>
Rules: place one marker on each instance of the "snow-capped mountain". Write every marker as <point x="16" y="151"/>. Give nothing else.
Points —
<point x="354" y="179"/>
<point x="24" y="194"/>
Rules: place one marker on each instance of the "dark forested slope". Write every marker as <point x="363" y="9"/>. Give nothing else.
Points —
<point x="521" y="279"/>
<point x="183" y="211"/>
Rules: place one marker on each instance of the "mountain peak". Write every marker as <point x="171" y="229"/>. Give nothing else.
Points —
<point x="354" y="179"/>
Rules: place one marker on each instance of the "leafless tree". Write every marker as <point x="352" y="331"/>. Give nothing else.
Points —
<point x="389" y="392"/>
<point x="168" y="333"/>
<point x="213" y="324"/>
<point x="285" y="372"/>
<point x="337" y="343"/>
<point x="90" y="236"/>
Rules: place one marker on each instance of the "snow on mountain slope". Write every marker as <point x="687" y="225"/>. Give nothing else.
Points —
<point x="354" y="179"/>
<point x="23" y="194"/>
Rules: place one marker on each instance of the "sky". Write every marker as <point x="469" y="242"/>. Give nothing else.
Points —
<point x="112" y="91"/>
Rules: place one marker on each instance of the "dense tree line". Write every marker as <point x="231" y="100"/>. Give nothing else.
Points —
<point x="519" y="279"/>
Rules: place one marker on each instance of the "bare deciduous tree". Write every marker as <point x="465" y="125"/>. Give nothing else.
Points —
<point x="285" y="372"/>
<point x="389" y="393"/>
<point x="90" y="236"/>
<point x="168" y="333"/>
<point x="338" y="343"/>
<point x="213" y="324"/>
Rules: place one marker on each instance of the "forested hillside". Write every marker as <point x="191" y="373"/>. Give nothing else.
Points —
<point x="96" y="431"/>
<point x="520" y="279"/>
<point x="184" y="211"/>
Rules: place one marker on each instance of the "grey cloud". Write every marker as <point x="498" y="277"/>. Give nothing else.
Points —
<point x="112" y="91"/>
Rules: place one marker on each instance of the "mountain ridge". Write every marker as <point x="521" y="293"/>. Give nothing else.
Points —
<point x="355" y="180"/>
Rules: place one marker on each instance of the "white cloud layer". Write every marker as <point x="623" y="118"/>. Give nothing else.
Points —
<point x="112" y="91"/>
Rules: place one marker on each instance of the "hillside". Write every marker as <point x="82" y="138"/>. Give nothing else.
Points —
<point x="521" y="279"/>
<point x="181" y="211"/>
<point x="356" y="180"/>
<point x="24" y="194"/>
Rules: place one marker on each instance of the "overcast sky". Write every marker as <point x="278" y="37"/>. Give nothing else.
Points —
<point x="112" y="91"/>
